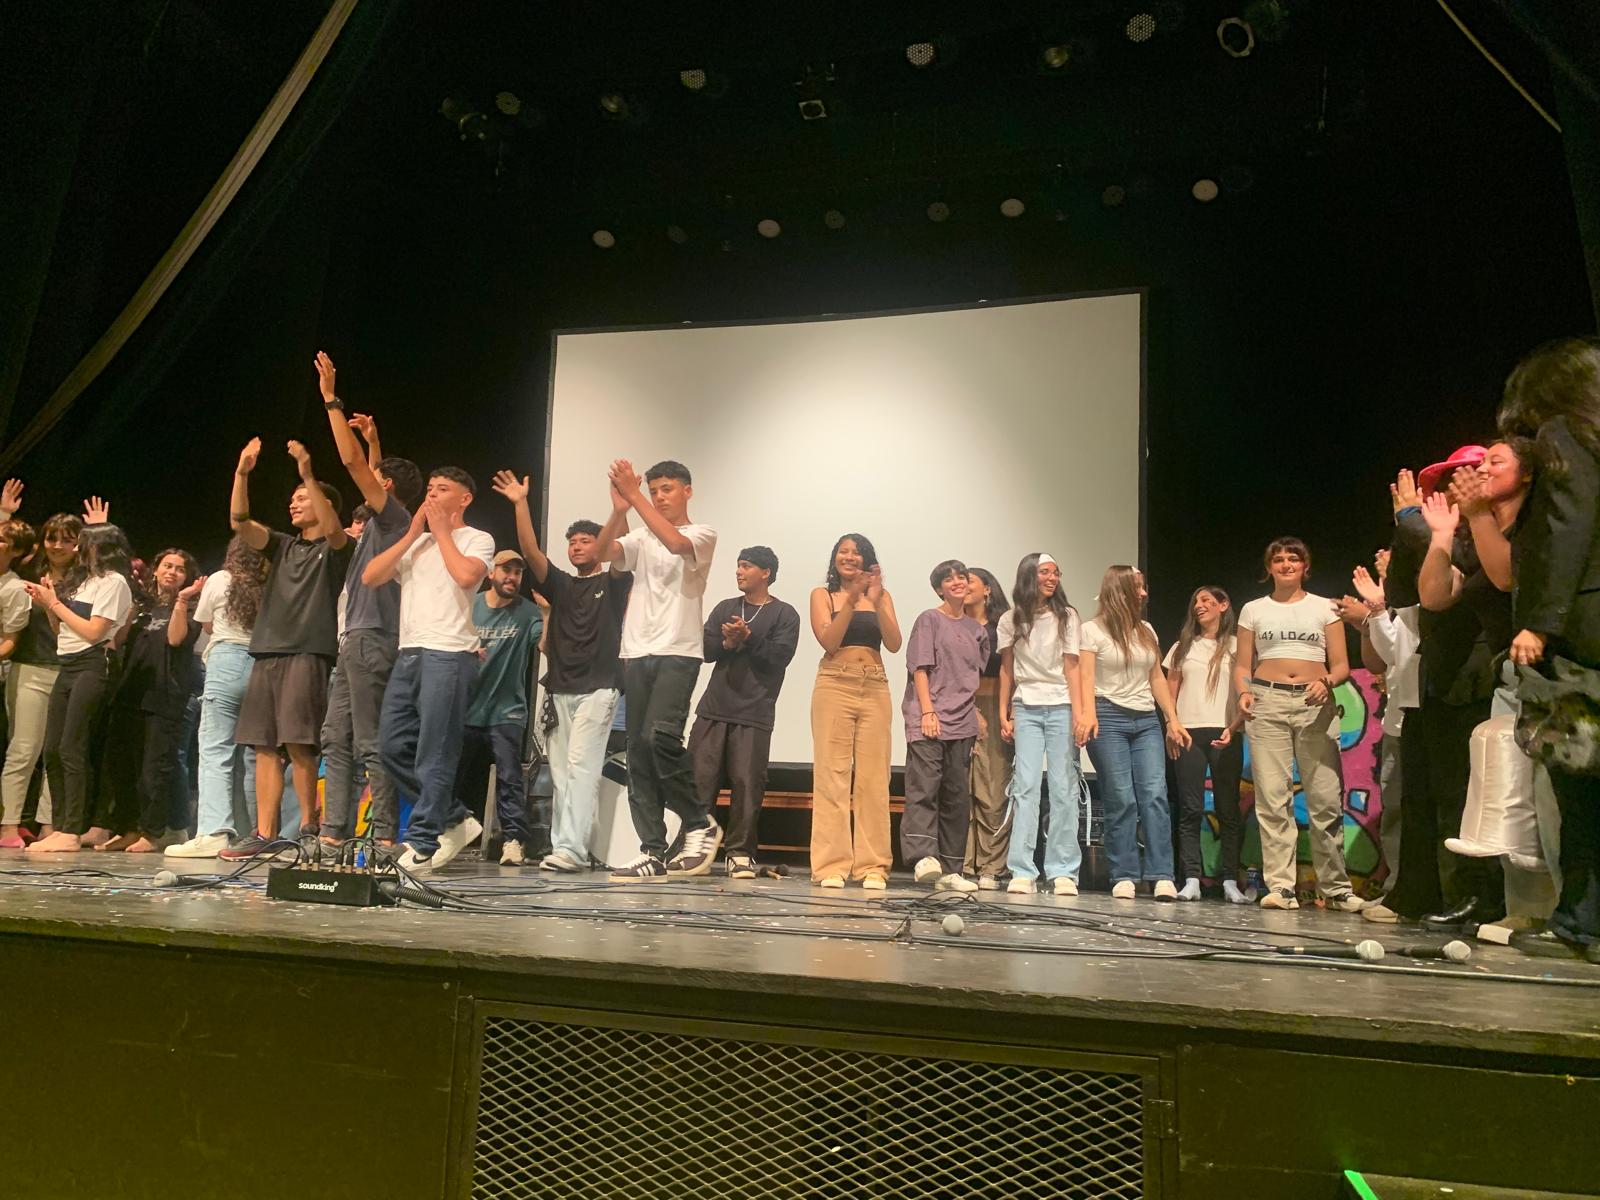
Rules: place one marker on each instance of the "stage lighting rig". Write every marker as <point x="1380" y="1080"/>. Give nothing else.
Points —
<point x="1141" y="27"/>
<point x="1012" y="207"/>
<point x="603" y="238"/>
<point x="833" y="219"/>
<point x="1236" y="36"/>
<point x="471" y="123"/>
<point x="816" y="92"/>
<point x="938" y="211"/>
<point x="768" y="228"/>
<point x="921" y="54"/>
<point x="1204" y="190"/>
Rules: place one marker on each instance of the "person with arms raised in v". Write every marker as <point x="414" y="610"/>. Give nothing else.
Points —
<point x="293" y="643"/>
<point x="661" y="655"/>
<point x="440" y="563"/>
<point x="391" y="487"/>
<point x="583" y="673"/>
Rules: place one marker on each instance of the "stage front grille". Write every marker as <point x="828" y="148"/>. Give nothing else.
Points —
<point x="577" y="1107"/>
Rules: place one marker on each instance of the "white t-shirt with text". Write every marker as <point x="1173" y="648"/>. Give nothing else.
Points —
<point x="1295" y="631"/>
<point x="435" y="610"/>
<point x="1123" y="680"/>
<point x="105" y="595"/>
<point x="1036" y="661"/>
<point x="665" y="607"/>
<point x="1200" y="705"/>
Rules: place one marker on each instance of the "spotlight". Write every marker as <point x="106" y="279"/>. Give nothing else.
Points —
<point x="1012" y="207"/>
<point x="938" y="211"/>
<point x="921" y="54"/>
<point x="472" y="125"/>
<point x="694" y="80"/>
<point x="1236" y="37"/>
<point x="833" y="219"/>
<point x="604" y="238"/>
<point x="768" y="228"/>
<point x="1141" y="27"/>
<point x="677" y="235"/>
<point x="812" y="110"/>
<point x="815" y="88"/>
<point x="1114" y="196"/>
<point x="615" y="105"/>
<point x="1055" y="58"/>
<point x="1204" y="190"/>
<point x="508" y="102"/>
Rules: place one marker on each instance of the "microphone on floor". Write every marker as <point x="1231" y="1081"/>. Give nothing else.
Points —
<point x="1452" y="951"/>
<point x="1366" y="950"/>
<point x="164" y="878"/>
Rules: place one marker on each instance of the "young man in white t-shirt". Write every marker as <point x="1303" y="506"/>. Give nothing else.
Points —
<point x="662" y="650"/>
<point x="440" y="562"/>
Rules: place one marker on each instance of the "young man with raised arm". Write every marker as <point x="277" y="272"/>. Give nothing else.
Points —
<point x="661" y="655"/>
<point x="391" y="487"/>
<point x="583" y="673"/>
<point x="440" y="561"/>
<point x="294" y="642"/>
<point x="751" y="639"/>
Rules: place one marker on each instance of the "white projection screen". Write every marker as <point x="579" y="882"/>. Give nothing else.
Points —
<point x="979" y="433"/>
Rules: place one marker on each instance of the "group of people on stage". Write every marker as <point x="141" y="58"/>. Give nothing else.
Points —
<point x="399" y="647"/>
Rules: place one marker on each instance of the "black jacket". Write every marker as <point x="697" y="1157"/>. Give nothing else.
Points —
<point x="1556" y="549"/>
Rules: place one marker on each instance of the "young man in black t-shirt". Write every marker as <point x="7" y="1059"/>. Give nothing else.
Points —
<point x="750" y="639"/>
<point x="294" y="642"/>
<point x="583" y="670"/>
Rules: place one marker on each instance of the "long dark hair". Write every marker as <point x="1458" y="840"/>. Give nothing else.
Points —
<point x="61" y="525"/>
<point x="102" y="549"/>
<point x="1121" y="614"/>
<point x="1227" y="624"/>
<point x="869" y="558"/>
<point x="248" y="568"/>
<point x="996" y="603"/>
<point x="1558" y="379"/>
<point x="151" y="597"/>
<point x="1025" y="596"/>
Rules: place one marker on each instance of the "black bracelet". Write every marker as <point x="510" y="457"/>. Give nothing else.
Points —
<point x="334" y="405"/>
<point x="240" y="517"/>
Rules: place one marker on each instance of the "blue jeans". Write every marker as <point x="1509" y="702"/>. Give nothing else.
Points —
<point x="1129" y="756"/>
<point x="1044" y="734"/>
<point x="424" y="709"/>
<point x="227" y="674"/>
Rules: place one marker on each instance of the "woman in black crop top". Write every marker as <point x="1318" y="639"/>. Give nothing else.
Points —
<point x="853" y="617"/>
<point x="990" y="836"/>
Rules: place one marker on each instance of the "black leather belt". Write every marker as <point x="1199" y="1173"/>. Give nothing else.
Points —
<point x="1279" y="687"/>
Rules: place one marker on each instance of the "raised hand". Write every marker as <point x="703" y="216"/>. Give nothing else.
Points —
<point x="507" y="484"/>
<point x="192" y="592"/>
<point x="624" y="478"/>
<point x="1350" y="609"/>
<point x="1368" y="588"/>
<point x="96" y="511"/>
<point x="249" y="455"/>
<point x="11" y="497"/>
<point x="301" y="456"/>
<point x="42" y="593"/>
<point x="1380" y="560"/>
<point x="1403" y="491"/>
<point x="1442" y="516"/>
<point x="856" y="586"/>
<point x="1469" y="491"/>
<point x="365" y="426"/>
<point x="874" y="584"/>
<point x="735" y="633"/>
<point x="438" y="523"/>
<point x="619" y="502"/>
<point x="325" y="374"/>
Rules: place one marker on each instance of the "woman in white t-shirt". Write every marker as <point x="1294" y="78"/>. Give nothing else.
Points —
<point x="229" y="602"/>
<point x="1038" y="640"/>
<point x="1291" y="655"/>
<point x="1120" y="664"/>
<point x="90" y="611"/>
<point x="1200" y="672"/>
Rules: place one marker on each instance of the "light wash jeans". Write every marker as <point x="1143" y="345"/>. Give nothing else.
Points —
<point x="1044" y="735"/>
<point x="1129" y="756"/>
<point x="577" y="749"/>
<point x="227" y="674"/>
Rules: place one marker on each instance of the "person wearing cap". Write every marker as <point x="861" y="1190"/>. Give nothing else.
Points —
<point x="1462" y="580"/>
<point x="508" y="627"/>
<point x="749" y="640"/>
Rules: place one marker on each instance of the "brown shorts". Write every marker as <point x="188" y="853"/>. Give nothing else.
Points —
<point x="284" y="702"/>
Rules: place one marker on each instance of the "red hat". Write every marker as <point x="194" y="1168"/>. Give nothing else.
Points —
<point x="1432" y="478"/>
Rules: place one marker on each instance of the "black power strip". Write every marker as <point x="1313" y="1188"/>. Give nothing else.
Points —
<point x="354" y="889"/>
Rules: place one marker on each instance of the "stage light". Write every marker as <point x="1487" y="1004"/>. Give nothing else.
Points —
<point x="1114" y="195"/>
<point x="677" y="235"/>
<point x="604" y="238"/>
<point x="938" y="211"/>
<point x="615" y="105"/>
<point x="816" y="89"/>
<point x="1012" y="207"/>
<point x="1141" y="27"/>
<point x="694" y="80"/>
<point x="508" y="102"/>
<point x="471" y="125"/>
<point x="812" y="110"/>
<point x="768" y="228"/>
<point x="1236" y="37"/>
<point x="833" y="219"/>
<point x="1055" y="58"/>
<point x="1204" y="190"/>
<point x="921" y="54"/>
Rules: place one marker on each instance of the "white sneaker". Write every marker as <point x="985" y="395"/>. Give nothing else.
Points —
<point x="698" y="853"/>
<point x="1344" y="902"/>
<point x="511" y="854"/>
<point x="560" y="860"/>
<point x="1165" y="890"/>
<point x="1381" y="913"/>
<point x="1020" y="886"/>
<point x="1066" y="885"/>
<point x="927" y="870"/>
<point x="411" y="861"/>
<point x="988" y="883"/>
<point x="1124" y="890"/>
<point x="955" y="882"/>
<point x="205" y="845"/>
<point x="1280" y="898"/>
<point x="456" y="839"/>
<point x="832" y="881"/>
<point x="874" y="883"/>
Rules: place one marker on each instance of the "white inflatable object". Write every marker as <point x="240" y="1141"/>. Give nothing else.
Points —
<point x="1499" y="818"/>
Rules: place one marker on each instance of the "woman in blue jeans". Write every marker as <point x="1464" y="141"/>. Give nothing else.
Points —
<point x="1038" y="640"/>
<point x="1120" y="662"/>
<point x="227" y="610"/>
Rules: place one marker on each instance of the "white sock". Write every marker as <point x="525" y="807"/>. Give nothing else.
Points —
<point x="1190" y="890"/>
<point x="1231" y="892"/>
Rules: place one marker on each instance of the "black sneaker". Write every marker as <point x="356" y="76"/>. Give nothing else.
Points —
<point x="647" y="868"/>
<point x="250" y="847"/>
<point x="699" y="851"/>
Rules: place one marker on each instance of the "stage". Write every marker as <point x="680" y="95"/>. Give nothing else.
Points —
<point x="569" y="1037"/>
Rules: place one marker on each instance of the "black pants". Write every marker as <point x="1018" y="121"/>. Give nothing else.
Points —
<point x="501" y="746"/>
<point x="1577" y="915"/>
<point x="737" y="754"/>
<point x="1189" y="773"/>
<point x="138" y="768"/>
<point x="938" y="802"/>
<point x="1435" y="768"/>
<point x="75" y="707"/>
<point x="657" y="690"/>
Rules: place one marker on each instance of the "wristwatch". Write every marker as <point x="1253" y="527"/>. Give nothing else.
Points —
<point x="334" y="405"/>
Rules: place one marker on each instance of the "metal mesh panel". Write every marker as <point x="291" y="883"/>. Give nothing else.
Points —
<point x="584" y="1111"/>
